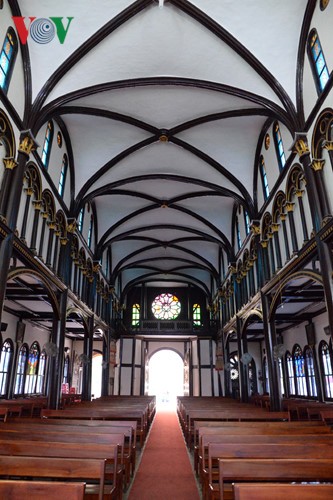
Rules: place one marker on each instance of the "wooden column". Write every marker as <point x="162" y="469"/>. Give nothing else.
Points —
<point x="26" y="146"/>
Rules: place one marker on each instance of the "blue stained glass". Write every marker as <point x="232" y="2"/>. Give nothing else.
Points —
<point x="318" y="61"/>
<point x="7" y="58"/>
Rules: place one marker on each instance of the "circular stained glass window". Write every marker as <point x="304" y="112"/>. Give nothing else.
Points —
<point x="166" y="306"/>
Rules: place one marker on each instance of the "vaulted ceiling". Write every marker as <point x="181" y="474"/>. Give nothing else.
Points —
<point x="164" y="102"/>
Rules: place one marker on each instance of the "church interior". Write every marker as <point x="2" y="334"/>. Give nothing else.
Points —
<point x="166" y="189"/>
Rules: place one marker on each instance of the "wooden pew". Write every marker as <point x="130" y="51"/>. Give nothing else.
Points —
<point x="273" y="470"/>
<point x="84" y="426"/>
<point x="286" y="427"/>
<point x="102" y="414"/>
<point x="88" y="470"/>
<point x="42" y="433"/>
<point x="69" y="451"/>
<point x="278" y="491"/>
<point x="234" y="415"/>
<point x="257" y="430"/>
<point x="327" y="416"/>
<point x="277" y="450"/>
<point x="40" y="490"/>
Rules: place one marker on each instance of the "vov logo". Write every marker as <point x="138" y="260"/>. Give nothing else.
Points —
<point x="42" y="30"/>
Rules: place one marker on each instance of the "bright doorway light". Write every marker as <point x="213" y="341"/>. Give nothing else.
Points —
<point x="96" y="375"/>
<point x="166" y="377"/>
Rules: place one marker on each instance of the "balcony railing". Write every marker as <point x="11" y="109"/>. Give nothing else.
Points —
<point x="175" y="327"/>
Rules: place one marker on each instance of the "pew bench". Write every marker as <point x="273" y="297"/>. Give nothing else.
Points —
<point x="278" y="491"/>
<point x="272" y="470"/>
<point x="91" y="471"/>
<point x="121" y="436"/>
<point x="217" y="427"/>
<point x="277" y="450"/>
<point x="70" y="451"/>
<point x="40" y="490"/>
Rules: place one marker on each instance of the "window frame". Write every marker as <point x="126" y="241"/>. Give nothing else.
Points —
<point x="264" y="179"/>
<point x="31" y="378"/>
<point x="6" y="359"/>
<point x="313" y="40"/>
<point x="8" y="71"/>
<point x="63" y="176"/>
<point x="47" y="145"/>
<point x="281" y="157"/>
<point x="326" y="368"/>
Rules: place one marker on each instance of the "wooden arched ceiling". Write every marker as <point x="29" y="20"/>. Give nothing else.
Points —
<point x="164" y="103"/>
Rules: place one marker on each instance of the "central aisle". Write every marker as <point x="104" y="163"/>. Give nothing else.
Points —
<point x="165" y="471"/>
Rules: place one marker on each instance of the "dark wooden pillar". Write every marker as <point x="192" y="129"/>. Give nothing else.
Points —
<point x="270" y="342"/>
<point x="26" y="146"/>
<point x="56" y="366"/>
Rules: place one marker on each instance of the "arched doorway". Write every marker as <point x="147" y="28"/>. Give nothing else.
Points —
<point x="166" y="376"/>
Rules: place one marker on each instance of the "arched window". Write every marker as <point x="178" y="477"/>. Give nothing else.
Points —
<point x="310" y="372"/>
<point x="65" y="379"/>
<point x="252" y="374"/>
<point x="47" y="144"/>
<point x="317" y="61"/>
<point x="7" y="59"/>
<point x="135" y="315"/>
<point x="90" y="230"/>
<point x="21" y="369"/>
<point x="41" y="373"/>
<point x="279" y="146"/>
<point x="238" y="235"/>
<point x="196" y="315"/>
<point x="63" y="175"/>
<point x="281" y="377"/>
<point x="325" y="356"/>
<point x="5" y="365"/>
<point x="291" y="374"/>
<point x="32" y="369"/>
<point x="80" y="220"/>
<point x="247" y="222"/>
<point x="263" y="176"/>
<point x="265" y="379"/>
<point x="300" y="371"/>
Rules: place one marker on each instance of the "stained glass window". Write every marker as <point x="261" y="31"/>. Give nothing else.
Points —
<point x="300" y="371"/>
<point x="247" y="222"/>
<point x="135" y="315"/>
<point x="90" y="230"/>
<point x="7" y="58"/>
<point x="279" y="146"/>
<point x="239" y="239"/>
<point x="264" y="177"/>
<point x="5" y="361"/>
<point x="166" y="306"/>
<point x="80" y="220"/>
<point x="41" y="373"/>
<point x="196" y="315"/>
<point x="63" y="175"/>
<point x="47" y="144"/>
<point x="317" y="60"/>
<point x="291" y="375"/>
<point x="21" y="369"/>
<point x="65" y="379"/>
<point x="326" y="364"/>
<point x="32" y="369"/>
<point x="310" y="372"/>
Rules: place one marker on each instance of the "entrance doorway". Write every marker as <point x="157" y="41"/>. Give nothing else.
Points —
<point x="166" y="377"/>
